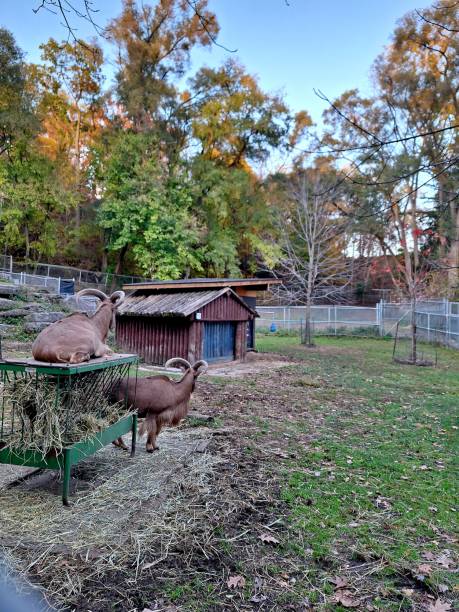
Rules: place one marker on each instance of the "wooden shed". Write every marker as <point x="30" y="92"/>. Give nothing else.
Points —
<point x="205" y="324"/>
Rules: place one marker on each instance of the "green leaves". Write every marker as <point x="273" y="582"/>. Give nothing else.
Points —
<point x="147" y="211"/>
<point x="31" y="198"/>
<point x="236" y="121"/>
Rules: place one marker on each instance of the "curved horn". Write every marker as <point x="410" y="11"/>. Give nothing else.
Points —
<point x="95" y="292"/>
<point x="199" y="364"/>
<point x="117" y="297"/>
<point x="178" y="360"/>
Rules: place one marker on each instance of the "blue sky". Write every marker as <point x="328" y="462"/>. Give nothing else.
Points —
<point x="293" y="47"/>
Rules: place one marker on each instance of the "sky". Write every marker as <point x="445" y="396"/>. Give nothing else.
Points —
<point x="293" y="46"/>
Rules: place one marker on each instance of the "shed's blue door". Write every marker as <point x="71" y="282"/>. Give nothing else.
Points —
<point x="219" y="340"/>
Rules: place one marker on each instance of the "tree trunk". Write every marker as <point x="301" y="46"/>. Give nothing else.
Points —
<point x="27" y="241"/>
<point x="104" y="263"/>
<point x="414" y="334"/>
<point x="119" y="265"/>
<point x="453" y="255"/>
<point x="77" y="170"/>
<point x="307" y="335"/>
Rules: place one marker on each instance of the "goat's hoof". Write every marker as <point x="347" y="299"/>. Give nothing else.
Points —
<point x="152" y="449"/>
<point x="121" y="445"/>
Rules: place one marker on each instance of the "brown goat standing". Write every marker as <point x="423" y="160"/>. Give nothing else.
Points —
<point x="79" y="337"/>
<point x="160" y="400"/>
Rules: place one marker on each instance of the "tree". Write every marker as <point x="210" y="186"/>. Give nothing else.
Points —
<point x="146" y="212"/>
<point x="16" y="115"/>
<point x="31" y="199"/>
<point x="154" y="45"/>
<point x="234" y="121"/>
<point x="69" y="90"/>
<point x="232" y="209"/>
<point x="418" y="80"/>
<point x="312" y="264"/>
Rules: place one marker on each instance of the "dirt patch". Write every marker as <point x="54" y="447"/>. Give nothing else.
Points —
<point x="255" y="363"/>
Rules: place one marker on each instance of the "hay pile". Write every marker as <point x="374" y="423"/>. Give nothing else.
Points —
<point x="39" y="417"/>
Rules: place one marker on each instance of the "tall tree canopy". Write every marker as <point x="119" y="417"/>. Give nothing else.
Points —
<point x="164" y="172"/>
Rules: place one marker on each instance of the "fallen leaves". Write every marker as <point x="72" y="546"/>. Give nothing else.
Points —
<point x="428" y="555"/>
<point x="444" y="560"/>
<point x="268" y="538"/>
<point x="439" y="606"/>
<point x="236" y="582"/>
<point x="383" y="502"/>
<point x="424" y="569"/>
<point x="339" y="582"/>
<point x="346" y="599"/>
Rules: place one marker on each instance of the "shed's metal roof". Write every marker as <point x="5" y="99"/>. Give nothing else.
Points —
<point x="173" y="304"/>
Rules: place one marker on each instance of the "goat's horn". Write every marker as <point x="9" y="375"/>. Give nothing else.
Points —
<point x="199" y="364"/>
<point x="95" y="292"/>
<point x="178" y="360"/>
<point x="117" y="297"/>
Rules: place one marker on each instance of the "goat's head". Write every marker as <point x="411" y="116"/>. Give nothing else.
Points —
<point x="198" y="368"/>
<point x="111" y="302"/>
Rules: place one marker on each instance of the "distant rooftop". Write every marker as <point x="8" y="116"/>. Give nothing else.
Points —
<point x="260" y="284"/>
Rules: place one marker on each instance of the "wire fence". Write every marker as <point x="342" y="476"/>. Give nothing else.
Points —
<point x="53" y="276"/>
<point x="33" y="280"/>
<point x="436" y="320"/>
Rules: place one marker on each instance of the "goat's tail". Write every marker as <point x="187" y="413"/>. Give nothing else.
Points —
<point x="148" y="425"/>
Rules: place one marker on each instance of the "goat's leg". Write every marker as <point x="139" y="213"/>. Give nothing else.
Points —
<point x="152" y="429"/>
<point x="159" y="426"/>
<point x="102" y="350"/>
<point x="79" y="357"/>
<point x="120" y="443"/>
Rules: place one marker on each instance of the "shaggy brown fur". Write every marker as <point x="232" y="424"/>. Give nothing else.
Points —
<point x="78" y="337"/>
<point x="160" y="400"/>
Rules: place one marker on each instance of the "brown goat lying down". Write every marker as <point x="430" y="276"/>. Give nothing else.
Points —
<point x="78" y="337"/>
<point x="160" y="400"/>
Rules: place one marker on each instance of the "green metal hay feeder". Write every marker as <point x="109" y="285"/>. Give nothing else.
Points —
<point x="64" y="394"/>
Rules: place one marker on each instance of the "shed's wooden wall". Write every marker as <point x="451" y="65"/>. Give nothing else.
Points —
<point x="154" y="339"/>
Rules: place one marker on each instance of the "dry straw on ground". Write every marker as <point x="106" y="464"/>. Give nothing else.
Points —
<point x="117" y="531"/>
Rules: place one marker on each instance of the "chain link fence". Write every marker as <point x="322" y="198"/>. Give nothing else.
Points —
<point x="55" y="277"/>
<point x="436" y="320"/>
<point x="33" y="280"/>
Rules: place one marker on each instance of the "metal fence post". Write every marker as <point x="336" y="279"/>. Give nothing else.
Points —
<point x="448" y="329"/>
<point x="428" y="327"/>
<point x="336" y="332"/>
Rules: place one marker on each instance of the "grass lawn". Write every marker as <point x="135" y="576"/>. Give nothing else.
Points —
<point x="374" y="482"/>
